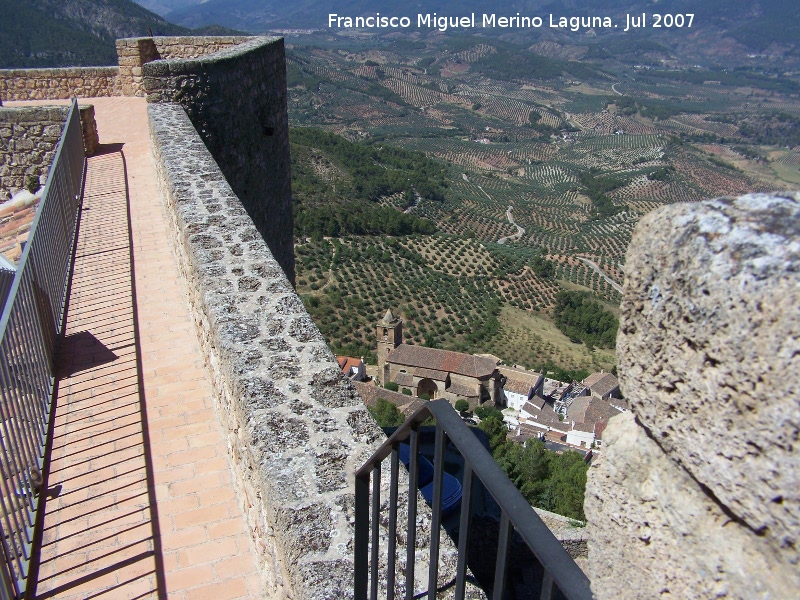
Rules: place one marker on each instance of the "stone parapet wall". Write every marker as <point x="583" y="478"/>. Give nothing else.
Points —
<point x="91" y="137"/>
<point x="133" y="53"/>
<point x="697" y="493"/>
<point x="28" y="142"/>
<point x="58" y="84"/>
<point x="29" y="138"/>
<point x="170" y="48"/>
<point x="297" y="431"/>
<point x="98" y="82"/>
<point x="237" y="101"/>
<point x="570" y="533"/>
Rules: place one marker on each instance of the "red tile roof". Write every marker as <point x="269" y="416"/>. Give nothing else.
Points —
<point x="370" y="393"/>
<point x="347" y="362"/>
<point x="430" y="373"/>
<point x="518" y="387"/>
<point x="442" y="360"/>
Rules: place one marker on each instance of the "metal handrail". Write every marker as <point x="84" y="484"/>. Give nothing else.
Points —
<point x="560" y="571"/>
<point x="29" y="326"/>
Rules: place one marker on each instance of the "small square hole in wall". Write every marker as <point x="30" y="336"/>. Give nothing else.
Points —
<point x="269" y="131"/>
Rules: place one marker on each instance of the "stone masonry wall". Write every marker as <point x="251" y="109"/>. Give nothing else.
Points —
<point x="29" y="139"/>
<point x="132" y="53"/>
<point x="698" y="491"/>
<point x="58" y="84"/>
<point x="170" y="48"/>
<point x="96" y="82"/>
<point x="296" y="428"/>
<point x="237" y="101"/>
<point x="135" y="52"/>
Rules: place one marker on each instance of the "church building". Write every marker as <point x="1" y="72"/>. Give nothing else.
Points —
<point x="432" y="372"/>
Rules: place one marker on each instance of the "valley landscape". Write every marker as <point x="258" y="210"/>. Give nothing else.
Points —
<point x="547" y="164"/>
<point x="462" y="204"/>
<point x="482" y="182"/>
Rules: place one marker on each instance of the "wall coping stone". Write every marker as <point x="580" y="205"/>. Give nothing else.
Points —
<point x="133" y="42"/>
<point x="176" y="66"/>
<point x="58" y="71"/>
<point x="295" y="426"/>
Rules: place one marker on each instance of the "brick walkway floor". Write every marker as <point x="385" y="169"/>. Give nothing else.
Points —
<point x="146" y="508"/>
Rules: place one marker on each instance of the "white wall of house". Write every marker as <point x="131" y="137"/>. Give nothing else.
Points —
<point x="515" y="400"/>
<point x="580" y="438"/>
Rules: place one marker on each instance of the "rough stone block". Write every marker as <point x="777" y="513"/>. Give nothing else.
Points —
<point x="52" y="131"/>
<point x="709" y="349"/>
<point x="709" y="360"/>
<point x="157" y="68"/>
<point x="655" y="532"/>
<point x="23" y="144"/>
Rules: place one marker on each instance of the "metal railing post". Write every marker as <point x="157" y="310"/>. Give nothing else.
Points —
<point x="361" y="541"/>
<point x="411" y="538"/>
<point x="376" y="515"/>
<point x="436" y="510"/>
<point x="30" y="323"/>
<point x="559" y="571"/>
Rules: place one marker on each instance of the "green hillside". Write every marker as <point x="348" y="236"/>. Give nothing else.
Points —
<point x="46" y="33"/>
<point x="345" y="188"/>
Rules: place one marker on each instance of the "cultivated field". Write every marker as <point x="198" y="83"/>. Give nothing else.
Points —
<point x="516" y="146"/>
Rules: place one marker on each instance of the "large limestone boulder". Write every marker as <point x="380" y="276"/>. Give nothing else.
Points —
<point x="655" y="532"/>
<point x="709" y="359"/>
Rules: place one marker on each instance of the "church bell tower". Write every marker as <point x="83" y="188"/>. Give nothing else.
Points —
<point x="389" y="333"/>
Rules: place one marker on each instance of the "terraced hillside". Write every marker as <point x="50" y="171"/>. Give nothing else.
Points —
<point x="558" y="163"/>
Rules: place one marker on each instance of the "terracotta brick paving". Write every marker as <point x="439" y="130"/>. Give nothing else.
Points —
<point x="146" y="508"/>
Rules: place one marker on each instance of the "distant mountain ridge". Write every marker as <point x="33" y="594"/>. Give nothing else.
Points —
<point x="60" y="33"/>
<point x="750" y="25"/>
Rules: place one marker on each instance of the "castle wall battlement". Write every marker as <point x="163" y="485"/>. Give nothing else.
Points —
<point x="29" y="139"/>
<point x="296" y="429"/>
<point x="133" y="53"/>
<point x="125" y="79"/>
<point x="236" y="100"/>
<point x="58" y="84"/>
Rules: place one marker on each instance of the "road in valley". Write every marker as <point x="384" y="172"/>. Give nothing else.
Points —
<point x="520" y="230"/>
<point x="597" y="268"/>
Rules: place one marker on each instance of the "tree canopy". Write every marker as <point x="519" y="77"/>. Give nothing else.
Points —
<point x="554" y="482"/>
<point x="336" y="186"/>
<point x="581" y="318"/>
<point x="386" y="413"/>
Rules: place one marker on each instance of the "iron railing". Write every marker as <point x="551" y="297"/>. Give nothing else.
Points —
<point x="559" y="575"/>
<point x="29" y="327"/>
